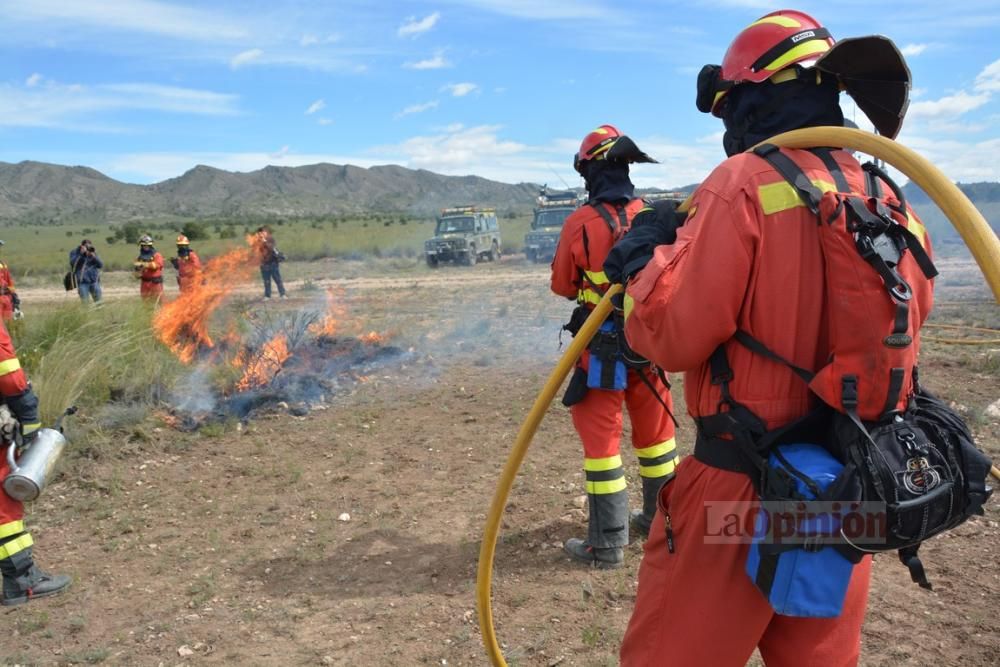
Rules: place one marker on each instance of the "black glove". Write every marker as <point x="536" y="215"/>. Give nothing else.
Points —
<point x="25" y="408"/>
<point x="654" y="225"/>
<point x="175" y="262"/>
<point x="15" y="300"/>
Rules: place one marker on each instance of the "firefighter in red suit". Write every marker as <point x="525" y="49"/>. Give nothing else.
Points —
<point x="22" y="580"/>
<point x="747" y="257"/>
<point x="587" y="236"/>
<point x="188" y="265"/>
<point x="148" y="268"/>
<point x="10" y="303"/>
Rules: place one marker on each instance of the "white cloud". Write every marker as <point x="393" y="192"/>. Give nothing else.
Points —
<point x="960" y="159"/>
<point x="33" y="80"/>
<point x="437" y="62"/>
<point x="309" y="39"/>
<point x="315" y="106"/>
<point x="543" y="10"/>
<point x="417" y="108"/>
<point x="950" y="106"/>
<point x="988" y="80"/>
<point x="913" y="49"/>
<point x="415" y="26"/>
<point x="74" y="106"/>
<point x="279" y="154"/>
<point x="460" y="89"/>
<point x="143" y="16"/>
<point x="245" y="58"/>
<point x="325" y="121"/>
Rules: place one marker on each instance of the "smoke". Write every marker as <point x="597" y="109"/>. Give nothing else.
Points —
<point x="193" y="394"/>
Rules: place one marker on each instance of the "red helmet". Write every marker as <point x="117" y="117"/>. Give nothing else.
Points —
<point x="766" y="46"/>
<point x="596" y="144"/>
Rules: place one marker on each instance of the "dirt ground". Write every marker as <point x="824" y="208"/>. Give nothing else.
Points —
<point x="234" y="547"/>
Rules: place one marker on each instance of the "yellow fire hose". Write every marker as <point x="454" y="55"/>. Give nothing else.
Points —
<point x="960" y="341"/>
<point x="969" y="222"/>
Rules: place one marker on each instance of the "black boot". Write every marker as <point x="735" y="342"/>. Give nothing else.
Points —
<point x="605" y="559"/>
<point x="607" y="532"/>
<point x="641" y="520"/>
<point x="23" y="581"/>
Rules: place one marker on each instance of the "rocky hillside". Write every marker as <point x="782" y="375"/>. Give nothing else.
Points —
<point x="37" y="192"/>
<point x="49" y="192"/>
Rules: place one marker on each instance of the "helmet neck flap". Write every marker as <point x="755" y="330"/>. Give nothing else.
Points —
<point x="753" y="113"/>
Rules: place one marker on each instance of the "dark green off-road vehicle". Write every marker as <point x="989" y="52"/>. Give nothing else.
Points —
<point x="464" y="235"/>
<point x="551" y="212"/>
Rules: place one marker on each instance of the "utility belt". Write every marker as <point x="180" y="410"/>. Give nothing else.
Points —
<point x="4" y="290"/>
<point x="156" y="280"/>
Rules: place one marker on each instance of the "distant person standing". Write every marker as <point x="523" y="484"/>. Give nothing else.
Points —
<point x="270" y="257"/>
<point x="188" y="265"/>
<point x="10" y="302"/>
<point x="86" y="268"/>
<point x="148" y="268"/>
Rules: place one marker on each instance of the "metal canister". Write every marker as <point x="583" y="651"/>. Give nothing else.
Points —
<point x="33" y="468"/>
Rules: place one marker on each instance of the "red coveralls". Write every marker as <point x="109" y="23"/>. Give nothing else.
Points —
<point x="6" y="293"/>
<point x="748" y="257"/>
<point x="151" y="285"/>
<point x="188" y="271"/>
<point x="13" y="382"/>
<point x="577" y="272"/>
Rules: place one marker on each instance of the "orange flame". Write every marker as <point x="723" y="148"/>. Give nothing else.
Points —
<point x="335" y="312"/>
<point x="371" y="338"/>
<point x="182" y="324"/>
<point x="263" y="366"/>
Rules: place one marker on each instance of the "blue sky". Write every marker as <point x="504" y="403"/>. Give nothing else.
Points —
<point x="145" y="89"/>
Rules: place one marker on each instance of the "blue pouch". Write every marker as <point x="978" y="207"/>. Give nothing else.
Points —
<point x="606" y="370"/>
<point x="811" y="579"/>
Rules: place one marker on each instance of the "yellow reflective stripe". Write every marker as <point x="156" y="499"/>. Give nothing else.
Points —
<point x="661" y="470"/>
<point x="784" y="75"/>
<point x="601" y="488"/>
<point x="627" y="304"/>
<point x="777" y="197"/>
<point x="602" y="149"/>
<point x="601" y="130"/>
<point x="18" y="544"/>
<point x="659" y="449"/>
<point x="783" y="21"/>
<point x="917" y="228"/>
<point x="597" y="277"/>
<point x="599" y="465"/>
<point x="12" y="528"/>
<point x="588" y="296"/>
<point x="10" y="366"/>
<point x="804" y="49"/>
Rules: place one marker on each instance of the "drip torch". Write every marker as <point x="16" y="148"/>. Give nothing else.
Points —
<point x="32" y="469"/>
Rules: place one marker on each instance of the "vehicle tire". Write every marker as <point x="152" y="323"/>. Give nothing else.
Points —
<point x="530" y="255"/>
<point x="495" y="252"/>
<point x="432" y="262"/>
<point x="473" y="256"/>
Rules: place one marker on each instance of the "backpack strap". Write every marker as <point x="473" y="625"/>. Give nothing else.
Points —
<point x="826" y="155"/>
<point x="617" y="227"/>
<point x="908" y="557"/>
<point x="754" y="345"/>
<point x="808" y="193"/>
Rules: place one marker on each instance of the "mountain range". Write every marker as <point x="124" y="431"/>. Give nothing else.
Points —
<point x="40" y="193"/>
